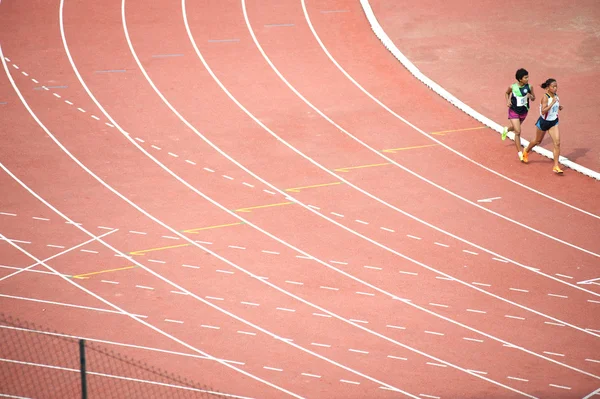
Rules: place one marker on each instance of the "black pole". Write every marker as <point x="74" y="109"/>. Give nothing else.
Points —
<point x="82" y="368"/>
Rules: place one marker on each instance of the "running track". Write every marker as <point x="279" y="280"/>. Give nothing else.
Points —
<point x="220" y="181"/>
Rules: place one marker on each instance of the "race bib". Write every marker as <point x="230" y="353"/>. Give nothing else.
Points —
<point x="521" y="101"/>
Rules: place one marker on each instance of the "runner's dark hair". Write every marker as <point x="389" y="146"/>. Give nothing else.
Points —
<point x="547" y="83"/>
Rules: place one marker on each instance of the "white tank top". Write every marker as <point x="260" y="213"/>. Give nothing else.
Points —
<point x="552" y="113"/>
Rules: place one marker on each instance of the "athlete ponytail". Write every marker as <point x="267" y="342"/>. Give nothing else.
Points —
<point x="547" y="83"/>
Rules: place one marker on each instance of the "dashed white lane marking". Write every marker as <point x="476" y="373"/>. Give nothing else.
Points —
<point x="68" y="102"/>
<point x="16" y="67"/>
<point x="235" y="247"/>
<point x="144" y="287"/>
<point x="170" y="237"/>
<point x="386" y="229"/>
<point x="359" y="321"/>
<point x="190" y="162"/>
<point x="440" y="305"/>
<point x="137" y="232"/>
<point x="215" y="298"/>
<point x="358" y="351"/>
<point x="477" y="371"/>
<point x="210" y="327"/>
<point x="397" y="357"/>
<point x="323" y="345"/>
<point x="441" y="245"/>
<point x="303" y="257"/>
<point x="517" y="379"/>
<point x="270" y="192"/>
<point x="592" y="360"/>
<point x="321" y="315"/>
<point x="250" y="303"/>
<point x="562" y="275"/>
<point x="592" y="301"/>
<point x="558" y="296"/>
<point x="433" y="332"/>
<point x="373" y="267"/>
<point x="559" y="386"/>
<point x="293" y="282"/>
<point x="500" y="260"/>
<point x="270" y="252"/>
<point x="554" y="354"/>
<point x="81" y="109"/>
<point x="88" y="251"/>
<point x="156" y="261"/>
<point x="429" y="396"/>
<point x="248" y="184"/>
<point x="475" y="311"/>
<point x="472" y="339"/>
<point x="44" y="219"/>
<point x="350" y="382"/>
<point x="470" y="252"/>
<point x="8" y="214"/>
<point x="109" y="282"/>
<point x="365" y="293"/>
<point x="7" y="59"/>
<point x="227" y="177"/>
<point x="271" y="368"/>
<point x="482" y="284"/>
<point x="554" y="324"/>
<point x="95" y="117"/>
<point x="514" y="317"/>
<point x="179" y="293"/>
<point x="34" y="80"/>
<point x="25" y="73"/>
<point x="156" y="147"/>
<point x="140" y="140"/>
<point x="224" y="271"/>
<point x="286" y="309"/>
<point x="19" y="241"/>
<point x="518" y="289"/>
<point x="203" y="242"/>
<point x="413" y="237"/>
<point x="444" y="278"/>
<point x="329" y="288"/>
<point x="436" y="364"/>
<point x="191" y="266"/>
<point x="396" y="327"/>
<point x="56" y="95"/>
<point x="55" y="246"/>
<point x="246" y="332"/>
<point x="311" y="375"/>
<point x="361" y="221"/>
<point x="338" y="263"/>
<point x="173" y="155"/>
<point x="411" y="273"/>
<point x="337" y="214"/>
<point x="105" y="228"/>
<point x="174" y="321"/>
<point x="209" y="170"/>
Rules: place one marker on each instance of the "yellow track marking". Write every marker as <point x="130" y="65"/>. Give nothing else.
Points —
<point x="249" y="209"/>
<point x="360" y="167"/>
<point x="195" y="231"/>
<point x="297" y="189"/>
<point x="393" y="150"/>
<point x="443" y="132"/>
<point x="85" y="275"/>
<point x="142" y="252"/>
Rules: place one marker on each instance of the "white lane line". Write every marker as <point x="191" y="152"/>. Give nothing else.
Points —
<point x="350" y="382"/>
<point x="178" y="292"/>
<point x="109" y="125"/>
<point x="250" y="303"/>
<point x="209" y="170"/>
<point x="216" y="298"/>
<point x="517" y="379"/>
<point x="358" y="351"/>
<point x="429" y="396"/>
<point x="68" y="102"/>
<point x="293" y="282"/>
<point x="559" y="386"/>
<point x="359" y="321"/>
<point x="411" y="273"/>
<point x="140" y="140"/>
<point x="286" y="309"/>
<point x="144" y="287"/>
<point x="88" y="251"/>
<point x="269" y="192"/>
<point x="313" y="207"/>
<point x="329" y="288"/>
<point x="246" y="332"/>
<point x="270" y="252"/>
<point x="38" y="218"/>
<point x="235" y="247"/>
<point x="373" y="267"/>
<point x="321" y="315"/>
<point x="555" y="354"/>
<point x="248" y="184"/>
<point x="203" y="242"/>
<point x="558" y="296"/>
<point x="475" y="311"/>
<point x="303" y="257"/>
<point x="514" y="317"/>
<point x="438" y="304"/>
<point x="396" y="327"/>
<point x="170" y="237"/>
<point x="364" y="293"/>
<point x="436" y="364"/>
<point x="81" y="109"/>
<point x="109" y="282"/>
<point x="191" y="266"/>
<point x="322" y="345"/>
<point x="472" y="339"/>
<point x="397" y="357"/>
<point x="105" y="228"/>
<point x="95" y="117"/>
<point x="56" y="95"/>
<point x="34" y="80"/>
<point x="518" y="289"/>
<point x="190" y="162"/>
<point x="562" y="275"/>
<point x="482" y="284"/>
<point x="155" y="147"/>
<point x="173" y="155"/>
<point x="592" y="301"/>
<point x="16" y="67"/>
<point x="477" y="371"/>
<point x="500" y="260"/>
<point x="311" y="375"/>
<point x="386" y="229"/>
<point x="272" y="368"/>
<point x="55" y="246"/>
<point x="174" y="321"/>
<point x="592" y="360"/>
<point x="13" y="240"/>
<point x="441" y="245"/>
<point x="413" y="237"/>
<point x="444" y="278"/>
<point x="137" y="232"/>
<point x="433" y="332"/>
<point x="469" y="252"/>
<point x="210" y="327"/>
<point x="554" y="324"/>
<point x="224" y="271"/>
<point x="361" y="221"/>
<point x="338" y="262"/>
<point x="157" y="261"/>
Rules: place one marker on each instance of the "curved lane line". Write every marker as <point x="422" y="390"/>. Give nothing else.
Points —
<point x="388" y="109"/>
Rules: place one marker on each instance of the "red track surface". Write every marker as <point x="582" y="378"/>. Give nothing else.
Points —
<point x="380" y="270"/>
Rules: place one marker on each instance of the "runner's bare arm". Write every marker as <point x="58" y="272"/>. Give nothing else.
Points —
<point x="507" y="96"/>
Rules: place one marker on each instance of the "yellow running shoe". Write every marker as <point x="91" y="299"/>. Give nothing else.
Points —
<point x="504" y="133"/>
<point x="557" y="170"/>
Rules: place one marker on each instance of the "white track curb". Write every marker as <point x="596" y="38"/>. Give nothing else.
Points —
<point x="387" y="42"/>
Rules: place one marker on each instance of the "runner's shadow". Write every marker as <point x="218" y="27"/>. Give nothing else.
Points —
<point x="577" y="153"/>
